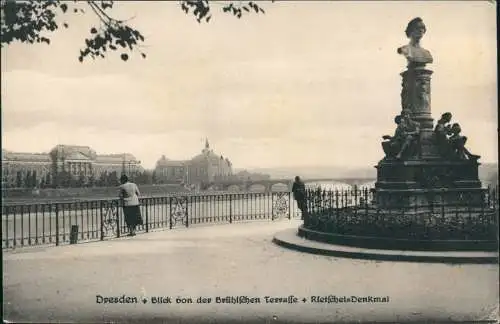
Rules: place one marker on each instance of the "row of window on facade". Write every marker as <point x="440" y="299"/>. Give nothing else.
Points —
<point x="14" y="174"/>
<point x="83" y="162"/>
<point x="11" y="172"/>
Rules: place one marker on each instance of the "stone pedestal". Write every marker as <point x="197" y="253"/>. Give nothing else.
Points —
<point x="416" y="98"/>
<point x="416" y="95"/>
<point x="419" y="182"/>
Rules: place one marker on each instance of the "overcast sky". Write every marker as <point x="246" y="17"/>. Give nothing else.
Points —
<point x="309" y="83"/>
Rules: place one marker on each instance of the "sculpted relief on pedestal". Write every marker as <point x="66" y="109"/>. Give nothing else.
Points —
<point x="422" y="96"/>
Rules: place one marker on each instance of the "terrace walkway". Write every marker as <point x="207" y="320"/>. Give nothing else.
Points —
<point x="61" y="283"/>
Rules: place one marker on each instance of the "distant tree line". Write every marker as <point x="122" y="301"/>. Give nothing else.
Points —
<point x="65" y="179"/>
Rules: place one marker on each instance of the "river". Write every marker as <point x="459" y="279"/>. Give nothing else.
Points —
<point x="37" y="225"/>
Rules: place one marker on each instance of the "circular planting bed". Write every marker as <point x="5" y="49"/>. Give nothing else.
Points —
<point x="347" y="224"/>
<point x="439" y="229"/>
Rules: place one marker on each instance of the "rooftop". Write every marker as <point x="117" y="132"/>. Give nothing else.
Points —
<point x="164" y="162"/>
<point x="24" y="156"/>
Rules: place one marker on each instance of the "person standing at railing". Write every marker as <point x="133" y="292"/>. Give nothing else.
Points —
<point x="129" y="195"/>
<point x="299" y="194"/>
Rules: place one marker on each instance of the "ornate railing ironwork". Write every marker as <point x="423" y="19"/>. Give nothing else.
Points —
<point x="281" y="205"/>
<point x="50" y="223"/>
<point x="355" y="212"/>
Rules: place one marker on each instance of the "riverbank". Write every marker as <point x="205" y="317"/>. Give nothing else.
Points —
<point x="64" y="194"/>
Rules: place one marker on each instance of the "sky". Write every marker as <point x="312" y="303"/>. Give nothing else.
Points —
<point x="306" y="84"/>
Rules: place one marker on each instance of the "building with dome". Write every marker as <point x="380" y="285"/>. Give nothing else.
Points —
<point x="81" y="162"/>
<point x="206" y="167"/>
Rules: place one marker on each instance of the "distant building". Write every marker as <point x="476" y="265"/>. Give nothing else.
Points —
<point x="206" y="167"/>
<point x="169" y="171"/>
<point x="19" y="168"/>
<point x="81" y="162"/>
<point x="250" y="176"/>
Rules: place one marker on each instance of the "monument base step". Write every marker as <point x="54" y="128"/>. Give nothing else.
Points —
<point x="290" y="239"/>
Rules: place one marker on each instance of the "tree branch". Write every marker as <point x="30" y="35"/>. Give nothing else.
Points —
<point x="93" y="6"/>
<point x="103" y="12"/>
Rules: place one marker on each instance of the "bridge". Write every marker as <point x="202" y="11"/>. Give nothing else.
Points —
<point x="268" y="184"/>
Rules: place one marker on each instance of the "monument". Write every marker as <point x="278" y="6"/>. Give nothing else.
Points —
<point x="427" y="197"/>
<point x="420" y="159"/>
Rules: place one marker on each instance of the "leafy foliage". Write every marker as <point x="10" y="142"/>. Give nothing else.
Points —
<point x="201" y="8"/>
<point x="32" y="21"/>
<point x="18" y="23"/>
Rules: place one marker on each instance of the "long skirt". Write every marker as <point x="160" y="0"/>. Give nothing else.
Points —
<point x="132" y="216"/>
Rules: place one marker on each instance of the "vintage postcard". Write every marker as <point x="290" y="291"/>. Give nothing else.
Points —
<point x="249" y="161"/>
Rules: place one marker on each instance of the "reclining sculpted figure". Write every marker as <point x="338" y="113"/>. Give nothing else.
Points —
<point x="392" y="144"/>
<point x="441" y="133"/>
<point x="457" y="144"/>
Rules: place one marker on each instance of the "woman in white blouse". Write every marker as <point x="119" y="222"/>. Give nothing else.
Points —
<point x="129" y="195"/>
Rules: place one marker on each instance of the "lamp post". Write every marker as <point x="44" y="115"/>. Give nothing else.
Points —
<point x="123" y="164"/>
<point x="186" y="174"/>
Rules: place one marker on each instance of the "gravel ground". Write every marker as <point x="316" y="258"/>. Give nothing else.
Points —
<point x="60" y="284"/>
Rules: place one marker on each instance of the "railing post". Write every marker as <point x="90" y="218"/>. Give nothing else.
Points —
<point x="443" y="214"/>
<point x="170" y="213"/>
<point x="337" y="202"/>
<point x="187" y="211"/>
<point x="5" y="211"/>
<point x="355" y="205"/>
<point x="489" y="195"/>
<point x="495" y="205"/>
<point x="101" y="219"/>
<point x="483" y="202"/>
<point x="118" y="209"/>
<point x="14" y="214"/>
<point x="230" y="208"/>
<point x="73" y="235"/>
<point x="147" y="217"/>
<point x="57" y="224"/>
<point x="272" y="206"/>
<point x="289" y="205"/>
<point x="365" y="201"/>
<point x="494" y="196"/>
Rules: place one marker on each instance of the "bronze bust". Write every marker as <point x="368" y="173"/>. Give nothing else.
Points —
<point x="414" y="54"/>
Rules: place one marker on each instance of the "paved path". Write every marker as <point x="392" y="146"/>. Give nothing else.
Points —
<point x="61" y="283"/>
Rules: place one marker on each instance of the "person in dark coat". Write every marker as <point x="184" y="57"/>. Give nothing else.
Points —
<point x="299" y="194"/>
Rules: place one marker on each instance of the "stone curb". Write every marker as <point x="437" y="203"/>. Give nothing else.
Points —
<point x="385" y="243"/>
<point x="290" y="239"/>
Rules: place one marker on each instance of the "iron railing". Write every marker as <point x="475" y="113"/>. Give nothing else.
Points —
<point x="51" y="223"/>
<point x="355" y="212"/>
